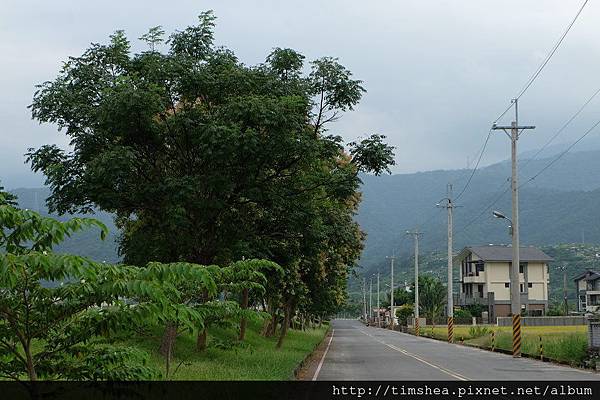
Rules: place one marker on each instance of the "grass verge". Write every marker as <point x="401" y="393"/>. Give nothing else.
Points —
<point x="565" y="344"/>
<point x="227" y="359"/>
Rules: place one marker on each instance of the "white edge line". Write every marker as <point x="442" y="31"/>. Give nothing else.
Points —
<point x="442" y="369"/>
<point x="314" y="378"/>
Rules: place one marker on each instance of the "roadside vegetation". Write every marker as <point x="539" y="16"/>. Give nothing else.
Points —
<point x="235" y="204"/>
<point x="561" y="343"/>
<point x="225" y="358"/>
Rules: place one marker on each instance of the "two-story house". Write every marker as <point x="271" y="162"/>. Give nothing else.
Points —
<point x="588" y="291"/>
<point x="485" y="279"/>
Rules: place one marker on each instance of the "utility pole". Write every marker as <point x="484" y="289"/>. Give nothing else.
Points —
<point x="450" y="302"/>
<point x="371" y="300"/>
<point x="515" y="292"/>
<point x="416" y="234"/>
<point x="378" y="309"/>
<point x="391" y="258"/>
<point x="364" y="299"/>
<point x="563" y="268"/>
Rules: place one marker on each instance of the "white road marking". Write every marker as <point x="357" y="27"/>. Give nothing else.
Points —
<point x="314" y="378"/>
<point x="442" y="369"/>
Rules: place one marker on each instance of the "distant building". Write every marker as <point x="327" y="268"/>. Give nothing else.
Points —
<point x="588" y="291"/>
<point x="485" y="279"/>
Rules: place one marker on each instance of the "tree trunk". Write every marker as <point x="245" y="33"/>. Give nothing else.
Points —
<point x="167" y="342"/>
<point x="201" y="340"/>
<point x="274" y="323"/>
<point x="243" y="321"/>
<point x="285" y="324"/>
<point x="271" y="324"/>
<point x="30" y="367"/>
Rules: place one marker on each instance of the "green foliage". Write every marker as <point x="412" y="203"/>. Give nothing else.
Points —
<point x="475" y="309"/>
<point x="479" y="331"/>
<point x="205" y="160"/>
<point x="402" y="296"/>
<point x="405" y="312"/>
<point x="46" y="330"/>
<point x="368" y="153"/>
<point x="432" y="296"/>
<point x="463" y="314"/>
<point x="556" y="309"/>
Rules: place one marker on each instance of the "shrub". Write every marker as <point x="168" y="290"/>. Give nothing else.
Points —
<point x="479" y="331"/>
<point x="403" y="313"/>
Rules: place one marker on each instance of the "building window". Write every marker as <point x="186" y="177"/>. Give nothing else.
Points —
<point x="529" y="285"/>
<point x="521" y="288"/>
<point x="522" y="267"/>
<point x="479" y="267"/>
<point x="507" y="285"/>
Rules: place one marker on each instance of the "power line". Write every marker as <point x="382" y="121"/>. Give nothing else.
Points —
<point x="484" y="210"/>
<point x="497" y="198"/>
<point x="521" y="93"/>
<point x="549" y="56"/>
<point x="562" y="128"/>
<point x="487" y="139"/>
<point x="558" y="132"/>
<point x="561" y="154"/>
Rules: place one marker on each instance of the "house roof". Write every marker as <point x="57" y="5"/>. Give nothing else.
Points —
<point x="588" y="275"/>
<point x="504" y="253"/>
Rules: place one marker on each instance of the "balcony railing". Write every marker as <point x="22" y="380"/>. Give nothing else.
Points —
<point x="475" y="298"/>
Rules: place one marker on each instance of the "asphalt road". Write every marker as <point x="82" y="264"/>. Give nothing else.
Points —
<point x="357" y="352"/>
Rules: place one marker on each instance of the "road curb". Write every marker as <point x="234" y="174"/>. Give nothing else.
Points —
<point x="308" y="358"/>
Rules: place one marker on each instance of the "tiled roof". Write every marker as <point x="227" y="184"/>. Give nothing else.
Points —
<point x="504" y="253"/>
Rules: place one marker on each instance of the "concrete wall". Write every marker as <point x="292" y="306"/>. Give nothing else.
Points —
<point x="593" y="333"/>
<point x="543" y="321"/>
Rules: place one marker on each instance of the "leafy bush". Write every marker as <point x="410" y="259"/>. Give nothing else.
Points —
<point x="475" y="310"/>
<point x="463" y="314"/>
<point x="479" y="331"/>
<point x="403" y="313"/>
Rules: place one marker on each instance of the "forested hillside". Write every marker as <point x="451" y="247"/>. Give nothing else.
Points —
<point x="84" y="243"/>
<point x="559" y="206"/>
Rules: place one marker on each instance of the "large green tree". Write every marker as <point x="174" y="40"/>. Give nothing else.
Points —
<point x="207" y="160"/>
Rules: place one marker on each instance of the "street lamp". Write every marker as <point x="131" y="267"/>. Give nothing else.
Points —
<point x="499" y="215"/>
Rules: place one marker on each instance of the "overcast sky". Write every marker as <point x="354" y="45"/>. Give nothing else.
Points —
<point x="437" y="72"/>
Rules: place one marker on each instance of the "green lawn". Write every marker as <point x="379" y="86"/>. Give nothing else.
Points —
<point x="226" y="359"/>
<point x="561" y="343"/>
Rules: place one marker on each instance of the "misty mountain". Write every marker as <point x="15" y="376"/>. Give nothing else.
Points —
<point x="84" y="243"/>
<point x="559" y="206"/>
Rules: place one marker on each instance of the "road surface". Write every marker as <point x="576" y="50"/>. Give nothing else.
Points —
<point x="357" y="352"/>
